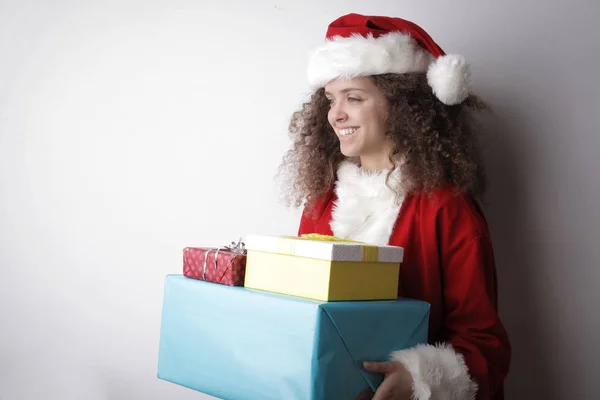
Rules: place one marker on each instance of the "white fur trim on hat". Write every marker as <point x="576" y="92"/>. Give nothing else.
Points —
<point x="396" y="52"/>
<point x="357" y="55"/>
<point x="438" y="372"/>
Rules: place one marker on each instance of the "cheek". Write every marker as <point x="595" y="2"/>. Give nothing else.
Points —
<point x="330" y="117"/>
<point x="380" y="119"/>
<point x="375" y="118"/>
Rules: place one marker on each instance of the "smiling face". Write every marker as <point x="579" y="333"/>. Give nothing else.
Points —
<point x="357" y="113"/>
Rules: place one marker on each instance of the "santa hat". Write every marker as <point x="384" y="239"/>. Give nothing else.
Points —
<point x="358" y="45"/>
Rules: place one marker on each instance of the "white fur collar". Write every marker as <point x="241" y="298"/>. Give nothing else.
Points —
<point x="366" y="209"/>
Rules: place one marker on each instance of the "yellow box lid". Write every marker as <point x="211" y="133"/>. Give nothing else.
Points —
<point x="324" y="248"/>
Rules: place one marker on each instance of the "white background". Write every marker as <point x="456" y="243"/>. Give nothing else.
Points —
<point x="131" y="129"/>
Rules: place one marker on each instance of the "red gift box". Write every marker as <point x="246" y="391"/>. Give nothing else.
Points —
<point x="226" y="266"/>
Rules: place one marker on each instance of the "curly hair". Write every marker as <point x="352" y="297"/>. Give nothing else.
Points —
<point x="438" y="144"/>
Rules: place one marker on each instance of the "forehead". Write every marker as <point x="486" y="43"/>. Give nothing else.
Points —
<point x="341" y="85"/>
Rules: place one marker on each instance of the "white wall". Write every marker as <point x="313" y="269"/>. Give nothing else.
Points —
<point x="131" y="129"/>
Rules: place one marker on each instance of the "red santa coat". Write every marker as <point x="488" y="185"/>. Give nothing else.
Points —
<point x="448" y="262"/>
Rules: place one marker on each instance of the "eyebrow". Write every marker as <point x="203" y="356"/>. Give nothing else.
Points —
<point x="349" y="90"/>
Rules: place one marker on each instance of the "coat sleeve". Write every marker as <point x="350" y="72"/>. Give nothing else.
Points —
<point x="472" y="360"/>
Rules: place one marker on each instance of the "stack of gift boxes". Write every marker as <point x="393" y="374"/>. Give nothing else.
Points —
<point x="281" y="317"/>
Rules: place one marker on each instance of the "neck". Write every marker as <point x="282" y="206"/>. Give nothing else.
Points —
<point x="375" y="163"/>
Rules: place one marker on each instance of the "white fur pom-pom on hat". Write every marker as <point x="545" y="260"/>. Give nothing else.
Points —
<point x="360" y="45"/>
<point x="450" y="78"/>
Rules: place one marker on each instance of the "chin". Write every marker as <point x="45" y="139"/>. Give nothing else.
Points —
<point x="349" y="152"/>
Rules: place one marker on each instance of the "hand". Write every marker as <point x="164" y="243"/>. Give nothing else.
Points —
<point x="397" y="382"/>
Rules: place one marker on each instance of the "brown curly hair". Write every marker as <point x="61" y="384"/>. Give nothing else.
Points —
<point x="438" y="143"/>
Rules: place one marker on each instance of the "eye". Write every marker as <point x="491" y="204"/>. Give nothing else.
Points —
<point x="353" y="99"/>
<point x="330" y="101"/>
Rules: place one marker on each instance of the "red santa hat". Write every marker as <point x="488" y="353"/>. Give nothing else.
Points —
<point x="358" y="45"/>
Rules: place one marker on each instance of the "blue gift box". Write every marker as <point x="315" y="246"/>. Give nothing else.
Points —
<point x="236" y="343"/>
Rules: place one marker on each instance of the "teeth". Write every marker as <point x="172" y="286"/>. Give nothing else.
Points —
<point x="347" y="131"/>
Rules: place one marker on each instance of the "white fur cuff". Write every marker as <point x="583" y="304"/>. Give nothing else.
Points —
<point x="439" y="373"/>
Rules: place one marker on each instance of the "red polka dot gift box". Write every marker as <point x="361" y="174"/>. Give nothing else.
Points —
<point x="224" y="265"/>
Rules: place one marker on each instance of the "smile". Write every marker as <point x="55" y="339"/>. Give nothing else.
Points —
<point x="347" y="131"/>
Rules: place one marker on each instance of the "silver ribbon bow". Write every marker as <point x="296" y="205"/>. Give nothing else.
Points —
<point x="237" y="248"/>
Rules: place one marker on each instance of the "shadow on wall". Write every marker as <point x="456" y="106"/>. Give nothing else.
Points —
<point x="508" y="210"/>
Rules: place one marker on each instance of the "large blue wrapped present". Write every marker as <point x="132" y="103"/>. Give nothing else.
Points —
<point x="236" y="343"/>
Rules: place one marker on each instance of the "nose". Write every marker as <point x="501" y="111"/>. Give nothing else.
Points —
<point x="337" y="113"/>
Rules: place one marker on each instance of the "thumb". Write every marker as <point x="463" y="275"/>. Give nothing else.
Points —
<point x="384" y="367"/>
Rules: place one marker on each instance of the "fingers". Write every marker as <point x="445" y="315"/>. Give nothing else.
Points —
<point x="383" y="392"/>
<point x="395" y="384"/>
<point x="384" y="367"/>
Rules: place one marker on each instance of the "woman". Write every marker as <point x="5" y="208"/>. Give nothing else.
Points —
<point x="384" y="152"/>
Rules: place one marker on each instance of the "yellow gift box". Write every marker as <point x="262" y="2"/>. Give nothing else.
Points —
<point x="322" y="267"/>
